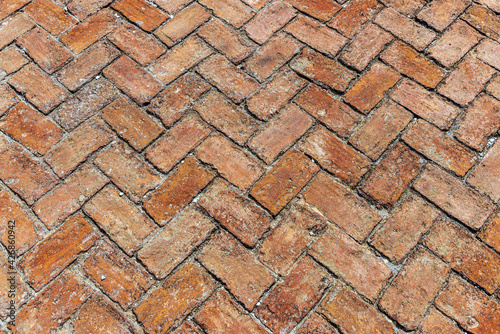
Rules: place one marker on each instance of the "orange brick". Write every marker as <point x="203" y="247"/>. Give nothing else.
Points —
<point x="441" y="13"/>
<point x="269" y="20"/>
<point x="321" y="9"/>
<point x="11" y="59"/>
<point x="487" y="50"/>
<point x="485" y="177"/>
<point x="50" y="16"/>
<point x="172" y="6"/>
<point x="494" y="87"/>
<point x="8" y="98"/>
<point x="7" y="8"/>
<point x="436" y="322"/>
<point x="353" y="16"/>
<point x="491" y="4"/>
<point x="141" y="13"/>
<point x="317" y="325"/>
<point x="9" y="277"/>
<point x="233" y="11"/>
<point x="408" y="7"/>
<point x="14" y="27"/>
<point x="83" y="8"/>
<point x="490" y="232"/>
<point x="187" y="328"/>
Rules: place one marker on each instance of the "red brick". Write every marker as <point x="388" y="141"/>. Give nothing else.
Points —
<point x="494" y="87"/>
<point x="281" y="183"/>
<point x="323" y="10"/>
<point x="353" y="16"/>
<point x="275" y="94"/>
<point x="441" y="13"/>
<point x="486" y="176"/>
<point x="298" y="228"/>
<point x="169" y="304"/>
<point x="466" y="81"/>
<point x="131" y="123"/>
<point x="436" y="322"/>
<point x="50" y="16"/>
<point x="8" y="98"/>
<point x="141" y="13"/>
<point x="228" y="118"/>
<point x="119" y="277"/>
<point x="490" y="232"/>
<point x="119" y="218"/>
<point x="14" y="27"/>
<point x="127" y="170"/>
<point x="317" y="325"/>
<point x="47" y="259"/>
<point x="439" y="147"/>
<point x="7" y="8"/>
<point x="178" y="190"/>
<point x="172" y="6"/>
<point x="316" y="35"/>
<point x="483" y="20"/>
<point x="334" y="155"/>
<point x="11" y="59"/>
<point x="187" y="328"/>
<point x="269" y="20"/>
<point x="371" y="87"/>
<point x="175" y="242"/>
<point x="83" y="8"/>
<point x="65" y="199"/>
<point x="238" y="214"/>
<point x="407" y="7"/>
<point x="233" y="11"/>
<point x="322" y="69"/>
<point x="9" y="278"/>
<point x="405" y="28"/>
<point x="237" y="268"/>
<point x="234" y="164"/>
<point x="406" y="224"/>
<point x="87" y="65"/>
<point x="412" y="291"/>
<point x="38" y="88"/>
<point x="487" y="51"/>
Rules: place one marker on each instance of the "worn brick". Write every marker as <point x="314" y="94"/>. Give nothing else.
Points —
<point x="14" y="27"/>
<point x="172" y="6"/>
<point x="8" y="98"/>
<point x="323" y="10"/>
<point x="436" y="322"/>
<point x="11" y="59"/>
<point x="255" y="4"/>
<point x="490" y="233"/>
<point x="317" y="325"/>
<point x="407" y="7"/>
<point x="487" y="51"/>
<point x="269" y="20"/>
<point x="486" y="175"/>
<point x="233" y="11"/>
<point x="11" y="283"/>
<point x="83" y="8"/>
<point x="8" y="7"/>
<point x="353" y="16"/>
<point x="491" y="4"/>
<point x="141" y="13"/>
<point x="494" y="87"/>
<point x="483" y="20"/>
<point x="50" y="16"/>
<point x="187" y="328"/>
<point x="441" y="13"/>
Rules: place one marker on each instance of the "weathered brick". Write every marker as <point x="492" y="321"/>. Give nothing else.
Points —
<point x="11" y="59"/>
<point x="441" y="13"/>
<point x="483" y="20"/>
<point x="141" y="13"/>
<point x="255" y="4"/>
<point x="83" y="8"/>
<point x="233" y="11"/>
<point x="436" y="322"/>
<point x="269" y="20"/>
<point x="490" y="232"/>
<point x="7" y="8"/>
<point x="491" y="4"/>
<point x="11" y="282"/>
<point x="50" y="16"/>
<point x="172" y="6"/>
<point x="317" y="325"/>
<point x="353" y="16"/>
<point x="494" y="87"/>
<point x="14" y="27"/>
<point x="486" y="175"/>
<point x="321" y="9"/>
<point x="487" y="50"/>
<point x="8" y="98"/>
<point x="187" y="328"/>
<point x="407" y="7"/>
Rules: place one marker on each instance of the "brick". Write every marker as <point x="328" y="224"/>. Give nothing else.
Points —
<point x="365" y="47"/>
<point x="428" y="105"/>
<point x="404" y="228"/>
<point x="485" y="177"/>
<point x="185" y="290"/>
<point x="21" y="292"/>
<point x="466" y="81"/>
<point x="141" y="13"/>
<point x="483" y="20"/>
<point x="280" y="133"/>
<point x="412" y="291"/>
<point x="232" y="11"/>
<point x="319" y="9"/>
<point x="14" y="27"/>
<point x="281" y="183"/>
<point x="238" y="214"/>
<point x="275" y="94"/>
<point x="8" y="98"/>
<point x="131" y="122"/>
<point x="228" y="118"/>
<point x="436" y="322"/>
<point x="269" y="20"/>
<point x="120" y="278"/>
<point x="353" y="16"/>
<point x="439" y="147"/>
<point x="175" y="242"/>
<point x="255" y="4"/>
<point x="317" y="325"/>
<point x="172" y="6"/>
<point x="7" y="8"/>
<point x="38" y="88"/>
<point x="491" y="4"/>
<point x="298" y="228"/>
<point x="334" y="155"/>
<point x="454" y="44"/>
<point x="407" y="7"/>
<point x="490" y="232"/>
<point x="11" y="59"/>
<point x="82" y="8"/>
<point x="89" y="31"/>
<point x="187" y="328"/>
<point x="236" y="267"/>
<point x="234" y="164"/>
<point x="47" y="259"/>
<point x="178" y="190"/>
<point x="405" y="28"/>
<point x="127" y="170"/>
<point x="231" y="81"/>
<point x="486" y="52"/>
<point x="179" y="140"/>
<point x="441" y="13"/>
<point x="50" y="16"/>
<point x="371" y="87"/>
<point x="494" y="87"/>
<point x="180" y="59"/>
<point x="380" y="129"/>
<point x="65" y="199"/>
<point x="316" y="35"/>
<point x="322" y="69"/>
<point x="125" y="224"/>
<point x="87" y="65"/>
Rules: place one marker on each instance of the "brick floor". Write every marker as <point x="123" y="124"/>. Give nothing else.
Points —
<point x="250" y="166"/>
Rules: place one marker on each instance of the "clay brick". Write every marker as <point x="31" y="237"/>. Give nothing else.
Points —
<point x="412" y="291"/>
<point x="428" y="105"/>
<point x="21" y="292"/>
<point x="175" y="242"/>
<point x="77" y="146"/>
<point x="436" y="322"/>
<point x="131" y="123"/>
<point x="483" y="20"/>
<point x="83" y="8"/>
<point x="371" y="87"/>
<point x="490" y="232"/>
<point x="14" y="27"/>
<point x="280" y="133"/>
<point x="486" y="177"/>
<point x="38" y="88"/>
<point x="231" y="80"/>
<point x="65" y="199"/>
<point x="127" y="170"/>
<point x="255" y="4"/>
<point x="228" y="118"/>
<point x="187" y="328"/>
<point x="275" y="94"/>
<point x="7" y="8"/>
<point x="405" y="28"/>
<point x="11" y="59"/>
<point x="50" y="16"/>
<point x="316" y="35"/>
<point x="119" y="277"/>
<point x="233" y="11"/>
<point x="402" y="231"/>
<point x="238" y="214"/>
<point x="323" y="10"/>
<point x="365" y="47"/>
<point x="491" y="4"/>
<point x="334" y="155"/>
<point x="236" y="267"/>
<point x="141" y="13"/>
<point x="269" y="20"/>
<point x="407" y="7"/>
<point x="234" y="164"/>
<point x="466" y="81"/>
<point x="119" y="218"/>
<point x="87" y="65"/>
<point x="281" y="183"/>
<point x="494" y="87"/>
<point x="172" y="6"/>
<point x="317" y="325"/>
<point x="178" y="190"/>
<point x="441" y="13"/>
<point x="47" y="259"/>
<point x="487" y="50"/>
<point x="8" y="98"/>
<point x="319" y="68"/>
<point x="298" y="228"/>
<point x="186" y="289"/>
<point x="383" y="126"/>
<point x="353" y="16"/>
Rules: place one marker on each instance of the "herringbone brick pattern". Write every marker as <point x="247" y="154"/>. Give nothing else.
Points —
<point x="250" y="166"/>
